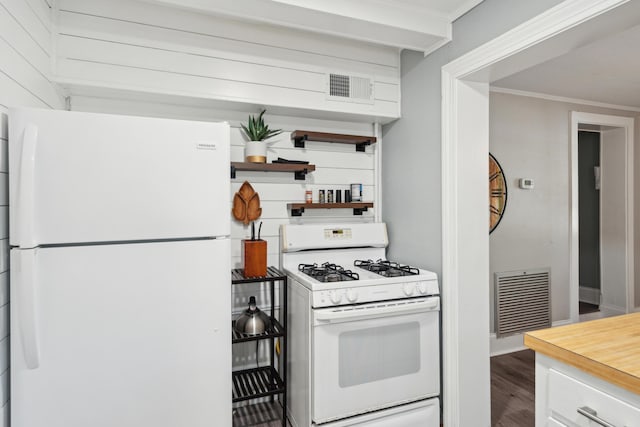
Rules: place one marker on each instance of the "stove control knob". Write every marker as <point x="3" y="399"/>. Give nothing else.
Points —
<point x="422" y="287"/>
<point x="408" y="289"/>
<point x="352" y="295"/>
<point x="335" y="297"/>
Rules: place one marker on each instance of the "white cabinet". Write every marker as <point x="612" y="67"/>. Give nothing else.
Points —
<point x="566" y="396"/>
<point x="554" y="423"/>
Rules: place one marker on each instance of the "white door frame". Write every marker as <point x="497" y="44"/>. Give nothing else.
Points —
<point x="627" y="123"/>
<point x="465" y="395"/>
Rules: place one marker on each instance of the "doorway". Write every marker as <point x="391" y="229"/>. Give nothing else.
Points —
<point x="589" y="223"/>
<point x="614" y="254"/>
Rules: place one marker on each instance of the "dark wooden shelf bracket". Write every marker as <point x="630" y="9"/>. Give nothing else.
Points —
<point x="298" y="141"/>
<point x="362" y="146"/>
<point x="233" y="172"/>
<point x="300" y="175"/>
<point x="297" y="211"/>
<point x="358" y="211"/>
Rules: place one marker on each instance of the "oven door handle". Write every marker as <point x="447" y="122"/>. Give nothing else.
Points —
<point x="387" y="310"/>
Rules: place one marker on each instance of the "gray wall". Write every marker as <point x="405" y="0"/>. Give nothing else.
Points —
<point x="411" y="181"/>
<point x="530" y="137"/>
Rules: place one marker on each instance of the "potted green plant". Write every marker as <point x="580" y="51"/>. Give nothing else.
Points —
<point x="257" y="132"/>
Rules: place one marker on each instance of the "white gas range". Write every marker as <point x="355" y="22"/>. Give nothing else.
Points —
<point x="363" y="331"/>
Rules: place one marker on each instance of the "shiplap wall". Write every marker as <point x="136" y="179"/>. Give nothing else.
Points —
<point x="138" y="46"/>
<point x="25" y="64"/>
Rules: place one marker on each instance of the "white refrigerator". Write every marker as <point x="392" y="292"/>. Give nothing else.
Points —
<point x="120" y="271"/>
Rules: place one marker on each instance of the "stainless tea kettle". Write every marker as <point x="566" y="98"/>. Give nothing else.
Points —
<point x="252" y="321"/>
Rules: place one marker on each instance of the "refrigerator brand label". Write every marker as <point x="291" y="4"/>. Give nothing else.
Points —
<point x="205" y="146"/>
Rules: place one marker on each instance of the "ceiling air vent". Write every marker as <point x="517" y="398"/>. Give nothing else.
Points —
<point x="349" y="88"/>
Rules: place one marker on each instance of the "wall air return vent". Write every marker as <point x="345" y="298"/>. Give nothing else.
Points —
<point x="350" y="88"/>
<point x="522" y="301"/>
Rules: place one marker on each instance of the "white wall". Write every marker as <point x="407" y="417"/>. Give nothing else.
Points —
<point x="613" y="219"/>
<point x="138" y="46"/>
<point x="530" y="138"/>
<point x="25" y="52"/>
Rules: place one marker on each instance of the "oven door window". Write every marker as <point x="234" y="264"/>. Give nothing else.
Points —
<point x="375" y="354"/>
<point x="371" y="362"/>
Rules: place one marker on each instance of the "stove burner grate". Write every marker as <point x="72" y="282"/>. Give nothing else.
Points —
<point x="328" y="272"/>
<point x="386" y="268"/>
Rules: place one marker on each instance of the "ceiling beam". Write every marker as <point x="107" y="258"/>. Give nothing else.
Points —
<point x="379" y="22"/>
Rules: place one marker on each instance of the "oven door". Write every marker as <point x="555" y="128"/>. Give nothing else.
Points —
<point x="373" y="356"/>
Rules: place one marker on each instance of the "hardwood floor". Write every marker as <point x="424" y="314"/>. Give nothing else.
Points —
<point x="513" y="389"/>
<point x="585" y="307"/>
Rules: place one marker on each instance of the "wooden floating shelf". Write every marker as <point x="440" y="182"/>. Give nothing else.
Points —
<point x="358" y="207"/>
<point x="300" y="136"/>
<point x="299" y="170"/>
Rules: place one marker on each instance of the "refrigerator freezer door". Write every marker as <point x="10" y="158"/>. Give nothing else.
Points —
<point x="84" y="177"/>
<point x="123" y="335"/>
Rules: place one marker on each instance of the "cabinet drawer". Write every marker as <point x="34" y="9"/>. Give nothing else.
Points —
<point x="554" y="423"/>
<point x="567" y="395"/>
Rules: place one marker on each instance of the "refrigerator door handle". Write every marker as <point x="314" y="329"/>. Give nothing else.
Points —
<point x="26" y="287"/>
<point x="26" y="184"/>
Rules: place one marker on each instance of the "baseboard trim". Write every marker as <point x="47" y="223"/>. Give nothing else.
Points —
<point x="589" y="295"/>
<point x="513" y="343"/>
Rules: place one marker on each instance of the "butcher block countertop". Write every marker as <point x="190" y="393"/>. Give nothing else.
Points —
<point x="606" y="348"/>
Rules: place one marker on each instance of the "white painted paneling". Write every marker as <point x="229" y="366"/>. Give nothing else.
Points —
<point x="4" y="215"/>
<point x="179" y="62"/>
<point x="13" y="93"/>
<point x="4" y="320"/>
<point x="249" y="33"/>
<point x="4" y="162"/>
<point x="4" y="415"/>
<point x="4" y="197"/>
<point x="138" y="33"/>
<point x="22" y="13"/>
<point x="21" y="71"/>
<point x="4" y="387"/>
<point x="42" y="10"/>
<point x="4" y="288"/>
<point x="193" y="85"/>
<point x="4" y="121"/>
<point x="14" y="34"/>
<point x="4" y="354"/>
<point x="154" y="49"/>
<point x="384" y="91"/>
<point x="4" y="254"/>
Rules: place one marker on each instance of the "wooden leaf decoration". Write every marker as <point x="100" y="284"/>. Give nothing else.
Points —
<point x="246" y="204"/>
<point x="253" y="208"/>
<point x="246" y="191"/>
<point x="239" y="209"/>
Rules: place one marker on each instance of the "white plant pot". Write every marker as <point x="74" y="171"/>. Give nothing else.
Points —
<point x="255" y="151"/>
